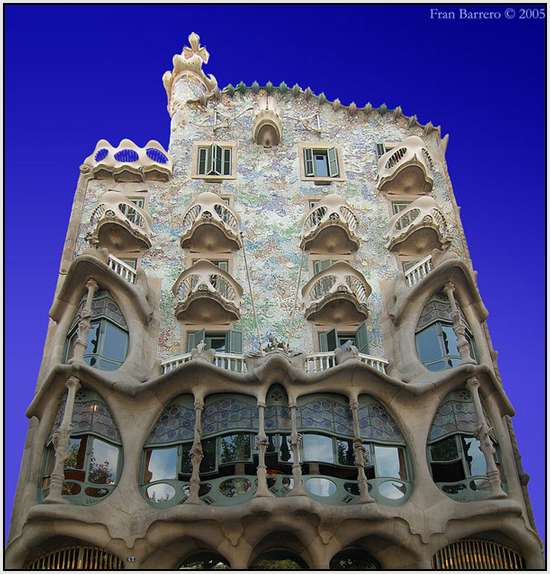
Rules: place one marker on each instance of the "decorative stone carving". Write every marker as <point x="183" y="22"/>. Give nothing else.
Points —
<point x="201" y="353"/>
<point x="267" y="128"/>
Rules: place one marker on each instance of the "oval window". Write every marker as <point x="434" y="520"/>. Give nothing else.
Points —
<point x="235" y="487"/>
<point x="392" y="490"/>
<point x="161" y="492"/>
<point x="321" y="487"/>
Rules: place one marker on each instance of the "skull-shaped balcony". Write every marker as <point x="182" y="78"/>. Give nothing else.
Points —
<point x="119" y="225"/>
<point x="210" y="225"/>
<point x="418" y="229"/>
<point x="406" y="168"/>
<point x="336" y="295"/>
<point x="330" y="227"/>
<point x="206" y="294"/>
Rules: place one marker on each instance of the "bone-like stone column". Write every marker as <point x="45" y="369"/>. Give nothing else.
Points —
<point x="85" y="322"/>
<point x="61" y="444"/>
<point x="458" y="325"/>
<point x="295" y="442"/>
<point x="359" y="453"/>
<point x="196" y="455"/>
<point x="486" y="445"/>
<point x="262" y="442"/>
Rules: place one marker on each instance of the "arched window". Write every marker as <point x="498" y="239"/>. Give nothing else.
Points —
<point x="458" y="466"/>
<point x="477" y="554"/>
<point x="229" y="429"/>
<point x="436" y="340"/>
<point x="167" y="467"/>
<point x="278" y="456"/>
<point x="387" y="466"/>
<point x="94" y="463"/>
<point x="354" y="559"/>
<point x="205" y="561"/>
<point x="279" y="559"/>
<point x="107" y="342"/>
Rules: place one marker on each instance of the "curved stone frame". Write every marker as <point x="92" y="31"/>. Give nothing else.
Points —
<point x="406" y="314"/>
<point x="355" y="549"/>
<point x="180" y="487"/>
<point x="87" y="429"/>
<point x="462" y="422"/>
<point x="132" y="300"/>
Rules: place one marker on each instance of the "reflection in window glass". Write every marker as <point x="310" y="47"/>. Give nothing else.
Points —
<point x="389" y="462"/>
<point x="114" y="343"/>
<point x="429" y="348"/>
<point x="344" y="448"/>
<point x="445" y="450"/>
<point x="186" y="463"/>
<point x="474" y="457"/>
<point x="318" y="448"/>
<point x="161" y="463"/>
<point x="103" y="463"/>
<point x="208" y="462"/>
<point x="76" y="452"/>
<point x="161" y="492"/>
<point x="235" y="448"/>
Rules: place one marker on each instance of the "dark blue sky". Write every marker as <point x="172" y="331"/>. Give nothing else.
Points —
<point x="76" y="74"/>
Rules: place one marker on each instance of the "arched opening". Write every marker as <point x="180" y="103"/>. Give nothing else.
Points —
<point x="477" y="553"/>
<point x="456" y="461"/>
<point x="166" y="468"/>
<point x="436" y="338"/>
<point x="94" y="462"/>
<point x="268" y="135"/>
<point x="76" y="557"/>
<point x="279" y="559"/>
<point x="278" y="457"/>
<point x="107" y="338"/>
<point x="354" y="559"/>
<point x="205" y="561"/>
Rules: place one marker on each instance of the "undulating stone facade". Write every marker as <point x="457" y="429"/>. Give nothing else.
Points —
<point x="267" y="348"/>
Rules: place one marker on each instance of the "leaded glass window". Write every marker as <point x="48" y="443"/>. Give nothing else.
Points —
<point x="327" y="413"/>
<point x="223" y="413"/>
<point x="94" y="460"/>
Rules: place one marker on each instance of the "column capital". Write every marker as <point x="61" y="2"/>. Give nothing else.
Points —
<point x="472" y="383"/>
<point x="199" y="403"/>
<point x="91" y="284"/>
<point x="353" y="404"/>
<point x="450" y="286"/>
<point x="72" y="383"/>
<point x="261" y="404"/>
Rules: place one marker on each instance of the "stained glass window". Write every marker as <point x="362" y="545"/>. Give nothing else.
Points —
<point x="328" y="413"/>
<point x="223" y="413"/>
<point x="375" y="423"/>
<point x="176" y="422"/>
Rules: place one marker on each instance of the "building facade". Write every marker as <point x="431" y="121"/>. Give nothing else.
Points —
<point x="267" y="348"/>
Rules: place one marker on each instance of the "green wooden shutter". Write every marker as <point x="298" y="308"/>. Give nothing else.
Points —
<point x="203" y="160"/>
<point x="333" y="170"/>
<point x="380" y="150"/>
<point x="327" y="341"/>
<point x="209" y="159"/>
<point x="235" y="342"/>
<point x="194" y="338"/>
<point x="309" y="167"/>
<point x="227" y="161"/>
<point x="217" y="159"/>
<point x="362" y="339"/>
<point x="321" y="264"/>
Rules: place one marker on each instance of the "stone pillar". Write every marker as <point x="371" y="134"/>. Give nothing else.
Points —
<point x="295" y="442"/>
<point x="486" y="445"/>
<point x="196" y="456"/>
<point x="85" y="321"/>
<point x="458" y="325"/>
<point x="359" y="453"/>
<point x="61" y="444"/>
<point x="261" y="442"/>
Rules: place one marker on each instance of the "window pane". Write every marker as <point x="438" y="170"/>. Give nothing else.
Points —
<point x="235" y="447"/>
<point x="429" y="350"/>
<point x="448" y="472"/>
<point x="321" y="164"/>
<point x="102" y="468"/>
<point x="115" y="342"/>
<point x="445" y="450"/>
<point x="92" y="345"/>
<point x="474" y="457"/>
<point x="77" y="452"/>
<point x="208" y="462"/>
<point x="389" y="462"/>
<point x="160" y="463"/>
<point x="216" y="342"/>
<point x="450" y="342"/>
<point x="227" y="161"/>
<point x="343" y="339"/>
<point x="202" y="161"/>
<point x="318" y="448"/>
<point x="186" y="463"/>
<point x="344" y="449"/>
<point x="69" y="345"/>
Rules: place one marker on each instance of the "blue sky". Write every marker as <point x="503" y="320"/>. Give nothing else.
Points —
<point x="76" y="74"/>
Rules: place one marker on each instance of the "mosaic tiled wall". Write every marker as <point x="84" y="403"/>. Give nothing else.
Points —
<point x="270" y="199"/>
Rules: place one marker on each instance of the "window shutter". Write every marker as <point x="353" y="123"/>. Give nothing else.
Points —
<point x="333" y="170"/>
<point x="235" y="342"/>
<point x="362" y="339"/>
<point x="309" y="168"/>
<point x="217" y="159"/>
<point x="332" y="340"/>
<point x="194" y="338"/>
<point x="227" y="161"/>
<point x="380" y="150"/>
<point x="209" y="160"/>
<point x="321" y="264"/>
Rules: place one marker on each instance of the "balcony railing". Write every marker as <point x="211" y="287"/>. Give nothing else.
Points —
<point x="330" y="227"/>
<point x="338" y="283"/>
<point x="406" y="168"/>
<point x="114" y="210"/>
<point x="206" y="293"/>
<point x="227" y="361"/>
<point x="417" y="272"/>
<point x="219" y="225"/>
<point x="318" y="362"/>
<point x="123" y="269"/>
<point x="419" y="227"/>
